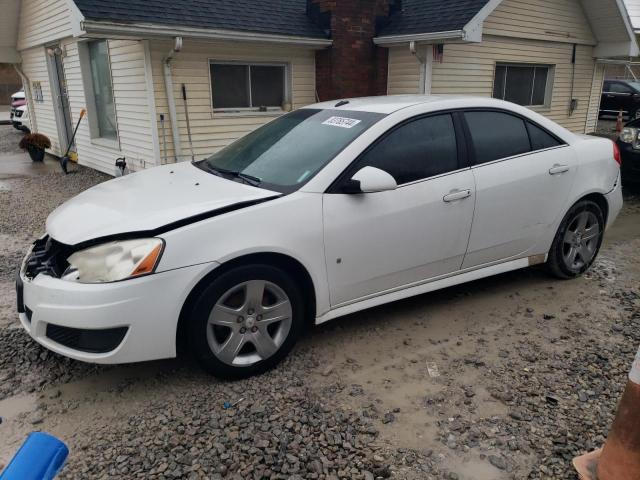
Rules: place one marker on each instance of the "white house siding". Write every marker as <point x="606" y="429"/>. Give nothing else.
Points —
<point x="468" y="68"/>
<point x="43" y="21"/>
<point x="560" y="20"/>
<point x="404" y="72"/>
<point x="212" y="131"/>
<point x="34" y="65"/>
<point x="133" y="112"/>
<point x="633" y="7"/>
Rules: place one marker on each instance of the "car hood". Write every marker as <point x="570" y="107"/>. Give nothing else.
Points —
<point x="148" y="201"/>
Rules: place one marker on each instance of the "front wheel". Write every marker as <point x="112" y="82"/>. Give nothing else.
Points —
<point x="578" y="240"/>
<point x="246" y="321"/>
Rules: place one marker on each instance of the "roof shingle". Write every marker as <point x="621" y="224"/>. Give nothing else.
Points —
<point x="429" y="16"/>
<point x="276" y="17"/>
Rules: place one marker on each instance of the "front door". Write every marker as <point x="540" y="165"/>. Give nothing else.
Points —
<point x="60" y="96"/>
<point x="375" y="242"/>
<point x="617" y="96"/>
<point x="522" y="183"/>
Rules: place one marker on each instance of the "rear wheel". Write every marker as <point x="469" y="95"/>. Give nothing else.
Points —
<point x="578" y="240"/>
<point x="246" y="321"/>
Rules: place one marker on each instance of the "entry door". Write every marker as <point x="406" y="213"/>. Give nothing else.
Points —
<point x="376" y="242"/>
<point x="523" y="178"/>
<point x="60" y="96"/>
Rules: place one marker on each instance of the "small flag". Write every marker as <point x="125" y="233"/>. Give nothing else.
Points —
<point x="438" y="53"/>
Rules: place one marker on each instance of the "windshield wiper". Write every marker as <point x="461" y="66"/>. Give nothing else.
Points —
<point x="250" y="179"/>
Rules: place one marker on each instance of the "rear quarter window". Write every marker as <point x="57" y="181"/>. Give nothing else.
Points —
<point x="541" y="139"/>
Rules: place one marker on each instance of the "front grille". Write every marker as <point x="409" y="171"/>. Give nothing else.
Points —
<point x="48" y="257"/>
<point x="89" y="341"/>
<point x="18" y="113"/>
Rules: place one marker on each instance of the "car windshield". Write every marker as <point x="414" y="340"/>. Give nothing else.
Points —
<point x="287" y="152"/>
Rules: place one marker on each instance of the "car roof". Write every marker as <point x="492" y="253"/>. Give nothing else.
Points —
<point x="392" y="103"/>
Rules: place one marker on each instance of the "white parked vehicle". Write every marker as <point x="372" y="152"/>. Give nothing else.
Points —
<point x="20" y="118"/>
<point x="328" y="210"/>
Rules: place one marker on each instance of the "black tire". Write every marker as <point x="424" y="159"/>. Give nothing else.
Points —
<point x="198" y="326"/>
<point x="557" y="263"/>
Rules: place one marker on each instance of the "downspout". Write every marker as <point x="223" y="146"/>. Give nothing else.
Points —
<point x="573" y="103"/>
<point x="27" y="93"/>
<point x="426" y="67"/>
<point x="171" y="103"/>
<point x="423" y="67"/>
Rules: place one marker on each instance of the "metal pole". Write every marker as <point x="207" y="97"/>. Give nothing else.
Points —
<point x="186" y="114"/>
<point x="164" y="139"/>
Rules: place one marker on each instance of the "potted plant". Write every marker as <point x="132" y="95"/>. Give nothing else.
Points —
<point x="35" y="144"/>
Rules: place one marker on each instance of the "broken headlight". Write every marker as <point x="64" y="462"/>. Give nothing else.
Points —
<point x="114" y="261"/>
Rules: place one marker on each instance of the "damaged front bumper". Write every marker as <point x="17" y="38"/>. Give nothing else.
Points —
<point x="120" y="322"/>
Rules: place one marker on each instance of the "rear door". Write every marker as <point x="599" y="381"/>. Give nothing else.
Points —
<point x="376" y="242"/>
<point x="523" y="177"/>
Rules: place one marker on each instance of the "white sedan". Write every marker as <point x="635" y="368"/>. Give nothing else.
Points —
<point x="328" y="210"/>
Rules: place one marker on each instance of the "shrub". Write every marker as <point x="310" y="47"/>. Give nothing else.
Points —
<point x="35" y="140"/>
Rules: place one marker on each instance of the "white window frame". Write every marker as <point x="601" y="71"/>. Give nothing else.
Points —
<point x="548" y="89"/>
<point x="85" y="67"/>
<point x="252" y="110"/>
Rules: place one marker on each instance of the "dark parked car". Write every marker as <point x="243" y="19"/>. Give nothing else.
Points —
<point x="621" y="95"/>
<point x="629" y="145"/>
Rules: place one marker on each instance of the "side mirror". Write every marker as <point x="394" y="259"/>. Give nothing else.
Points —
<point x="370" y="180"/>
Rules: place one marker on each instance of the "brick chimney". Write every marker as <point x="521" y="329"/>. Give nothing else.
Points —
<point x="353" y="66"/>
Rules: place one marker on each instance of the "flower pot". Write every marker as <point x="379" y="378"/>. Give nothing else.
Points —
<point x="36" y="154"/>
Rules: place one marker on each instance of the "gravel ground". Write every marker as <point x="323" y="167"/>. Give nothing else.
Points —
<point x="9" y="139"/>
<point x="504" y="378"/>
<point x="607" y="127"/>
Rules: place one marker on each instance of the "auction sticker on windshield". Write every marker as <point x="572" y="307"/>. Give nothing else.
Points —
<point x="343" y="122"/>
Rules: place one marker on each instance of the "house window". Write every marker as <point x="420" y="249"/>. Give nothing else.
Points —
<point x="528" y="85"/>
<point x="102" y="109"/>
<point x="236" y="86"/>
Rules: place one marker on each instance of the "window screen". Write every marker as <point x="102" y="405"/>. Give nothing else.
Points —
<point x="497" y="135"/>
<point x="420" y="149"/>
<point x="522" y="84"/>
<point x="540" y="139"/>
<point x="229" y="86"/>
<point x="247" y="86"/>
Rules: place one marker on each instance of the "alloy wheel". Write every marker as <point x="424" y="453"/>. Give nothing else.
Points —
<point x="581" y="240"/>
<point x="249" y="323"/>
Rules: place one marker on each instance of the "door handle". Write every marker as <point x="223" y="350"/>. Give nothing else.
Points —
<point x="557" y="169"/>
<point x="456" y="195"/>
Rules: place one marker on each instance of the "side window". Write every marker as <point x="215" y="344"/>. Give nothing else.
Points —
<point x="420" y="149"/>
<point x="540" y="139"/>
<point x="619" y="88"/>
<point x="497" y="135"/>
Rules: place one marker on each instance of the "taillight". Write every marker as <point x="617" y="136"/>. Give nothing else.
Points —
<point x="617" y="156"/>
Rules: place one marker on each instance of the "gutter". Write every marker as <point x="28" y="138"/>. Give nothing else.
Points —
<point x="112" y="28"/>
<point x="420" y="37"/>
<point x="615" y="61"/>
<point x="26" y="83"/>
